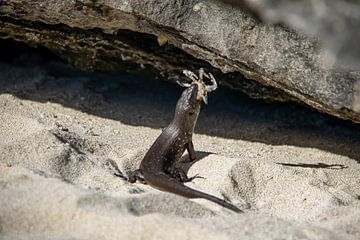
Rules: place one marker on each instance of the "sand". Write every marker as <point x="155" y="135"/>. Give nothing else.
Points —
<point x="66" y="136"/>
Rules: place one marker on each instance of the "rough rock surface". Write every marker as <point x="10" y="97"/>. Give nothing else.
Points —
<point x="334" y="22"/>
<point x="210" y="30"/>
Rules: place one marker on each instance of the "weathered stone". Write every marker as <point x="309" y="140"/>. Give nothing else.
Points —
<point x="334" y="22"/>
<point x="128" y="51"/>
<point x="209" y="30"/>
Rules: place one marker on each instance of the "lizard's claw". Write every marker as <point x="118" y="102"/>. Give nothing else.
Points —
<point x="195" y="176"/>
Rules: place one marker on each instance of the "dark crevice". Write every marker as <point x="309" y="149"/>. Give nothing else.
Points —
<point x="144" y="53"/>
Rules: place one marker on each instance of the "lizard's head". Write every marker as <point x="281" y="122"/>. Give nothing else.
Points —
<point x="188" y="106"/>
<point x="202" y="89"/>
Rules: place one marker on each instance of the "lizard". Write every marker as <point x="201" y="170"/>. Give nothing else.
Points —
<point x="158" y="167"/>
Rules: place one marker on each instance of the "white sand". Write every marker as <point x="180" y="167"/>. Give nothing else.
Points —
<point x="58" y="159"/>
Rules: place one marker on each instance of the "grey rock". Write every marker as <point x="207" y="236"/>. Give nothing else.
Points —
<point x="334" y="22"/>
<point x="224" y="36"/>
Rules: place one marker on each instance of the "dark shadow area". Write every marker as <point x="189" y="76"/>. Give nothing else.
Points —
<point x="318" y="165"/>
<point x="139" y="100"/>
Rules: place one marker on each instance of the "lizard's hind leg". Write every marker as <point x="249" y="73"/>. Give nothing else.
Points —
<point x="136" y="176"/>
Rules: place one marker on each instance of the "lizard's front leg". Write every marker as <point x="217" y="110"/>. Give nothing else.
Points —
<point x="191" y="151"/>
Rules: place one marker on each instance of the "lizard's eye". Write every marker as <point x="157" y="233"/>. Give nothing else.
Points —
<point x="191" y="113"/>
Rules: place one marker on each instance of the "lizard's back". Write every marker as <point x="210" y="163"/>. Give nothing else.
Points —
<point x="161" y="154"/>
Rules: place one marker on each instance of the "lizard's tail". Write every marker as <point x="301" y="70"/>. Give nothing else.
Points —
<point x="168" y="184"/>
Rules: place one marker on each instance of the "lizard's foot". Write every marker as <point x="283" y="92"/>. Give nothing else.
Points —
<point x="136" y="176"/>
<point x="195" y="176"/>
<point x="181" y="176"/>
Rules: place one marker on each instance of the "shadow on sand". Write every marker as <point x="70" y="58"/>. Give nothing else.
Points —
<point x="141" y="101"/>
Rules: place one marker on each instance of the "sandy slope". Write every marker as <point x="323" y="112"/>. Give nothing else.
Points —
<point x="64" y="135"/>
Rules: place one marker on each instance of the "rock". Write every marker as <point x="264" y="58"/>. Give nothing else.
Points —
<point x="334" y="22"/>
<point x="225" y="37"/>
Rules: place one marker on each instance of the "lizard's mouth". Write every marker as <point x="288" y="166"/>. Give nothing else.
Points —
<point x="203" y="89"/>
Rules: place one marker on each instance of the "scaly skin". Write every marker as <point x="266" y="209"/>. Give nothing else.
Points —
<point x="158" y="166"/>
